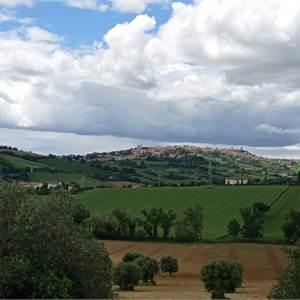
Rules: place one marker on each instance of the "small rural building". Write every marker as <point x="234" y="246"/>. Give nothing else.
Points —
<point x="32" y="185"/>
<point x="236" y="181"/>
<point x="54" y="185"/>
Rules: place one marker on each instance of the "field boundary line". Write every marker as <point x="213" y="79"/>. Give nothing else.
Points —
<point x="280" y="196"/>
<point x="276" y="265"/>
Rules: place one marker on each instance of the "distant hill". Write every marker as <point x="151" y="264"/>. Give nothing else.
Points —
<point x="151" y="166"/>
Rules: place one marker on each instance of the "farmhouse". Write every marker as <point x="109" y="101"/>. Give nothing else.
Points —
<point x="32" y="185"/>
<point x="236" y="180"/>
<point x="54" y="185"/>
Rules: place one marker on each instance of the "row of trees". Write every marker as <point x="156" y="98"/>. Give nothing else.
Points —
<point x="153" y="224"/>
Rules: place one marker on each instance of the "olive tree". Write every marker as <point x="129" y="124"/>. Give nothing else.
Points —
<point x="127" y="275"/>
<point x="222" y="277"/>
<point x="169" y="264"/>
<point x="149" y="268"/>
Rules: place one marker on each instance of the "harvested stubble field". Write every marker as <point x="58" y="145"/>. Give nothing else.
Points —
<point x="261" y="262"/>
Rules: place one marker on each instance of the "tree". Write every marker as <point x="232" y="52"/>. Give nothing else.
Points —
<point x="221" y="277"/>
<point x="153" y="217"/>
<point x="234" y="228"/>
<point x="81" y="214"/>
<point x="169" y="264"/>
<point x="260" y="207"/>
<point x="127" y="275"/>
<point x="167" y="222"/>
<point x="47" y="254"/>
<point x="122" y="218"/>
<point x="183" y="232"/>
<point x="149" y="268"/>
<point x="104" y="227"/>
<point x="288" y="285"/>
<point x="132" y="223"/>
<point x="194" y="218"/>
<point x="291" y="228"/>
<point x="131" y="256"/>
<point x="253" y="223"/>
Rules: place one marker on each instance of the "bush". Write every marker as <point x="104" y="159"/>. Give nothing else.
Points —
<point x="45" y="254"/>
<point x="131" y="256"/>
<point x="221" y="277"/>
<point x="127" y="275"/>
<point x="288" y="285"/>
<point x="169" y="264"/>
<point x="149" y="268"/>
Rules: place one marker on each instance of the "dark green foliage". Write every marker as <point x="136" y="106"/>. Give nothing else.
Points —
<point x="222" y="277"/>
<point x="80" y="214"/>
<point x="45" y="254"/>
<point x="291" y="228"/>
<point x="169" y="264"/>
<point x="104" y="227"/>
<point x="234" y="228"/>
<point x="167" y="222"/>
<point x="127" y="275"/>
<point x="149" y="268"/>
<point x="288" y="285"/>
<point x="193" y="217"/>
<point x="183" y="232"/>
<point x="260" y="207"/>
<point x="131" y="256"/>
<point x="153" y="218"/>
<point x="122" y="219"/>
<point x="252" y="228"/>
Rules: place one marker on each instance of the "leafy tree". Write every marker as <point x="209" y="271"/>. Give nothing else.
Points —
<point x="253" y="224"/>
<point x="149" y="268"/>
<point x="194" y="218"/>
<point x="127" y="275"/>
<point x="288" y="285"/>
<point x="148" y="228"/>
<point x="80" y="214"/>
<point x="169" y="264"/>
<point x="234" y="228"/>
<point x="122" y="218"/>
<point x="48" y="255"/>
<point x="291" y="228"/>
<point x="153" y="217"/>
<point x="131" y="256"/>
<point x="221" y="277"/>
<point x="260" y="207"/>
<point x="183" y="232"/>
<point x="132" y="223"/>
<point x="104" y="227"/>
<point x="167" y="222"/>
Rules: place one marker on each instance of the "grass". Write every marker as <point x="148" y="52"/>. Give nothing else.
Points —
<point x="221" y="204"/>
<point x="22" y="163"/>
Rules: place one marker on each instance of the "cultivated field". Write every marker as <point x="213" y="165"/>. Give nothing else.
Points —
<point x="220" y="204"/>
<point x="262" y="263"/>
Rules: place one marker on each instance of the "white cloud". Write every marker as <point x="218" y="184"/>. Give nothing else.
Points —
<point x="219" y="71"/>
<point x="14" y="3"/>
<point x="136" y="6"/>
<point x="87" y="4"/>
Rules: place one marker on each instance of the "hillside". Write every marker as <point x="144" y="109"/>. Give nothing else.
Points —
<point x="220" y="204"/>
<point x="151" y="166"/>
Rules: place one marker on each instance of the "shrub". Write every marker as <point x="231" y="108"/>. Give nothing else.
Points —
<point x="291" y="228"/>
<point x="149" y="268"/>
<point x="131" y="256"/>
<point x="221" y="277"/>
<point x="169" y="264"/>
<point x="127" y="275"/>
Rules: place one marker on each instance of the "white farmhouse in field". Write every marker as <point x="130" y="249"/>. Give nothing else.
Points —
<point x="236" y="181"/>
<point x="54" y="185"/>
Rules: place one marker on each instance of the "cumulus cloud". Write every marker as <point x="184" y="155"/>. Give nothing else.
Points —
<point x="14" y="3"/>
<point x="218" y="71"/>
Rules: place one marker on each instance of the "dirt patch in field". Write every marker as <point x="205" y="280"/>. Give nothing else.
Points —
<point x="262" y="263"/>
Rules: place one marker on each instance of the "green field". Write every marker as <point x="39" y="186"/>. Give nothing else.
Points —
<point x="220" y="204"/>
<point x="22" y="163"/>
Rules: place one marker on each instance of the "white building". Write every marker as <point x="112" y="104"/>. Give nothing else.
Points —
<point x="54" y="185"/>
<point x="32" y="185"/>
<point x="236" y="181"/>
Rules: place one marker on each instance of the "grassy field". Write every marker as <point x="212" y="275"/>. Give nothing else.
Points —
<point x="22" y="163"/>
<point x="220" y="204"/>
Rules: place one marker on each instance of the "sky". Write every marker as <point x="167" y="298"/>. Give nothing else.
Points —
<point x="80" y="76"/>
